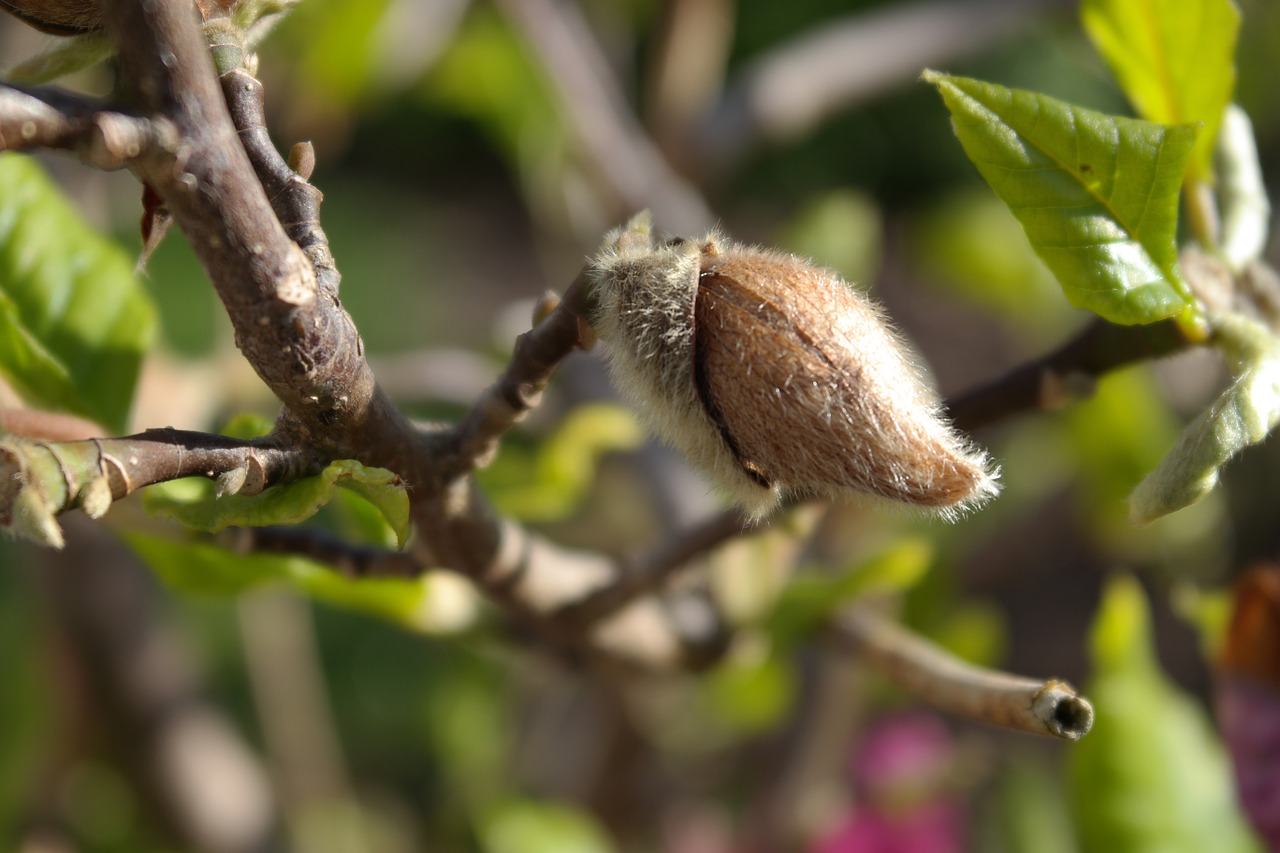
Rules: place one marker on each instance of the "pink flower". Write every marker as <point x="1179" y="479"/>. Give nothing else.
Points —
<point x="902" y="805"/>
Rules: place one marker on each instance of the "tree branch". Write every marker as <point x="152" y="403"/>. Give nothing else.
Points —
<point x="32" y="118"/>
<point x="1040" y="707"/>
<point x="353" y="561"/>
<point x="294" y="332"/>
<point x="786" y="92"/>
<point x="608" y="133"/>
<point x="538" y="352"/>
<point x="1067" y="373"/>
<point x="39" y="480"/>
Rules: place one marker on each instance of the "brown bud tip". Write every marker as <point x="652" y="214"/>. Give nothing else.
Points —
<point x="302" y="160"/>
<point x="774" y="376"/>
<point x="1252" y="643"/>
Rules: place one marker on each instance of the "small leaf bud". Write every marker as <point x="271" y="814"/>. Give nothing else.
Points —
<point x="774" y="377"/>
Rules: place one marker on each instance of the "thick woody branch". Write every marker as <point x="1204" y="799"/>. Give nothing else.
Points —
<point x="1040" y="707"/>
<point x="293" y="331"/>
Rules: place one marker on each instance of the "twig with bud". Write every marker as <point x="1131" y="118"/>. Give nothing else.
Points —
<point x="557" y="331"/>
<point x="40" y="479"/>
<point x="1050" y="708"/>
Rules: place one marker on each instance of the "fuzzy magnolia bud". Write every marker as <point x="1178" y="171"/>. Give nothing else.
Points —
<point x="74" y="17"/>
<point x="774" y="377"/>
<point x="58" y="17"/>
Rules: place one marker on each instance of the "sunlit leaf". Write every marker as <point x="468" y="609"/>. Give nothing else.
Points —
<point x="552" y="482"/>
<point x="813" y="597"/>
<point x="1175" y="59"/>
<point x="531" y="826"/>
<point x="1244" y="414"/>
<point x="192" y="503"/>
<point x="1031" y="813"/>
<point x="74" y="321"/>
<point x="1151" y="777"/>
<point x="199" y="569"/>
<point x="750" y="696"/>
<point x="1097" y="195"/>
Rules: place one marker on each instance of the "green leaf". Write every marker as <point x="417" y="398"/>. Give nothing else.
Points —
<point x="191" y="501"/>
<point x="842" y="230"/>
<point x="1243" y="415"/>
<point x="550" y="484"/>
<point x="195" y="568"/>
<point x="74" y="321"/>
<point x="1175" y="59"/>
<point x="530" y="826"/>
<point x="1152" y="776"/>
<point x="812" y="597"/>
<point x="1031" y="811"/>
<point x="751" y="696"/>
<point x="1097" y="195"/>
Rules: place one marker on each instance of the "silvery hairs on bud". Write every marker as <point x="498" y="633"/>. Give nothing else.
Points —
<point x="774" y="377"/>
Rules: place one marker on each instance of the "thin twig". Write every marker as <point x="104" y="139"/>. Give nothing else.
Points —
<point x="1040" y="707"/>
<point x="293" y="198"/>
<point x="40" y="479"/>
<point x="538" y="352"/>
<point x="656" y="572"/>
<point x="595" y="107"/>
<point x="106" y="139"/>
<point x="353" y="561"/>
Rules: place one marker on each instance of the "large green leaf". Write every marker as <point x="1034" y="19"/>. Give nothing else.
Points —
<point x="1175" y="59"/>
<point x="74" y="322"/>
<point x="192" y="502"/>
<point x="1097" y="195"/>
<point x="1152" y="776"/>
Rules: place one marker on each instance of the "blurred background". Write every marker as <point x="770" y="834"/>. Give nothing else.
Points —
<point x="471" y="155"/>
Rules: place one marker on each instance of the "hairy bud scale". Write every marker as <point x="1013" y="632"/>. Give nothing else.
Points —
<point x="773" y="376"/>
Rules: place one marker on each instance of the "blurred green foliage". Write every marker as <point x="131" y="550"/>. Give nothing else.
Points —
<point x="74" y="321"/>
<point x="1152" y="775"/>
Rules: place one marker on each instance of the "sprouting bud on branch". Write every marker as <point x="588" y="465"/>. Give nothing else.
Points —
<point x="774" y="377"/>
